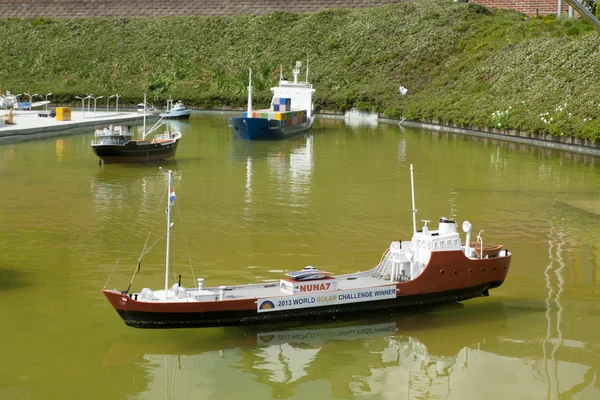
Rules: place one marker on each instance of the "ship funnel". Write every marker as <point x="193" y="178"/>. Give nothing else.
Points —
<point x="446" y="226"/>
<point x="466" y="226"/>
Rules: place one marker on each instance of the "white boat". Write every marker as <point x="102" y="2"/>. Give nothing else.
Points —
<point x="176" y="111"/>
<point x="8" y="101"/>
<point x="149" y="108"/>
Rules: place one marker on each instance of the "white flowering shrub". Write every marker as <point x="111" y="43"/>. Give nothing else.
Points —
<point x="557" y="120"/>
<point x="500" y="118"/>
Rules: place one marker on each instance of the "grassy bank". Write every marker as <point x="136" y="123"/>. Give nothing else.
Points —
<point x="462" y="63"/>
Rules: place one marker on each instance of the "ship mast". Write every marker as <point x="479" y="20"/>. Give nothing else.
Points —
<point x="250" y="93"/>
<point x="144" y="130"/>
<point x="169" y="176"/>
<point x="412" y="189"/>
<point x="296" y="71"/>
<point x="306" y="70"/>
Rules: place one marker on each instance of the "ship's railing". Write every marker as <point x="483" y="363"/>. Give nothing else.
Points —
<point x="113" y="131"/>
<point x="108" y="141"/>
<point x="164" y="136"/>
<point x="385" y="266"/>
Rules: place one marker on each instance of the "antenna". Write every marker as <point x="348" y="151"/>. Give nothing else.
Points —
<point x="280" y="72"/>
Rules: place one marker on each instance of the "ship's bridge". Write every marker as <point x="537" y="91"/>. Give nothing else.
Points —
<point x="446" y="237"/>
<point x="300" y="95"/>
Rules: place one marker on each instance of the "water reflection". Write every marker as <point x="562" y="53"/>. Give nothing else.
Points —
<point x="382" y="355"/>
<point x="241" y="150"/>
<point x="12" y="279"/>
<point x="413" y="356"/>
<point x="179" y="125"/>
<point x="289" y="166"/>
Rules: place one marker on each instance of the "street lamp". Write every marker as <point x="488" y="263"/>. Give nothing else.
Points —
<point x="16" y="107"/>
<point x="82" y="104"/>
<point x="108" y="100"/>
<point x="89" y="99"/>
<point x="30" y="97"/>
<point x="95" y="99"/>
<point x="39" y="95"/>
<point x="46" y="105"/>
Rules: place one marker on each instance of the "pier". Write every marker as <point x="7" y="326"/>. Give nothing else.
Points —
<point x="28" y="125"/>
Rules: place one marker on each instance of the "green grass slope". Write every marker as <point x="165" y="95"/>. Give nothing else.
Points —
<point x="462" y="63"/>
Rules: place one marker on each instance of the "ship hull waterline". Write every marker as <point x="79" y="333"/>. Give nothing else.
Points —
<point x="133" y="152"/>
<point x="177" y="115"/>
<point x="158" y="320"/>
<point x="263" y="129"/>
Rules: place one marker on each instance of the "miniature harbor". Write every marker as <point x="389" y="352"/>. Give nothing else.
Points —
<point x="28" y="125"/>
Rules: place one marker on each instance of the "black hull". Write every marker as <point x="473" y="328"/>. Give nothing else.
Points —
<point x="156" y="320"/>
<point x="135" y="152"/>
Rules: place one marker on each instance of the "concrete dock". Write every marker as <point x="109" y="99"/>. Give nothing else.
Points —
<point x="29" y="126"/>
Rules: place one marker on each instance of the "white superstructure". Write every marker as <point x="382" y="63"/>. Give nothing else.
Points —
<point x="300" y="92"/>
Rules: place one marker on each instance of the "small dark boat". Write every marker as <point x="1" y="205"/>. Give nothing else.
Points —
<point x="115" y="144"/>
<point x="291" y="111"/>
<point x="432" y="268"/>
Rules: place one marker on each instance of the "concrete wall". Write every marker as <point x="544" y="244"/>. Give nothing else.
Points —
<point x="101" y="8"/>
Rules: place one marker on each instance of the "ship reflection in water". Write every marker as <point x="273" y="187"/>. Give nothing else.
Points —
<point x="415" y="356"/>
<point x="290" y="169"/>
<point x="480" y="350"/>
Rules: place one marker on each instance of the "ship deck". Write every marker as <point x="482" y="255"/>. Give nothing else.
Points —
<point x="268" y="289"/>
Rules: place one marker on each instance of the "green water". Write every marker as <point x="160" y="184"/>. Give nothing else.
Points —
<point x="252" y="211"/>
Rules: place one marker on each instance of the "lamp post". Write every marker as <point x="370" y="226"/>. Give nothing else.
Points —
<point x="95" y="99"/>
<point x="30" y="97"/>
<point x="46" y="105"/>
<point x="82" y="104"/>
<point x="16" y="106"/>
<point x="108" y="100"/>
<point x="89" y="98"/>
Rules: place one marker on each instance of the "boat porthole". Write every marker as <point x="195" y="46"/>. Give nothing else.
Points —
<point x="494" y="269"/>
<point x="482" y="269"/>
<point x="455" y="272"/>
<point x="470" y="271"/>
<point x="442" y="271"/>
<point x="505" y="267"/>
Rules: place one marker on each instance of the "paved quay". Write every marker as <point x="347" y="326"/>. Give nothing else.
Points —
<point x="29" y="126"/>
